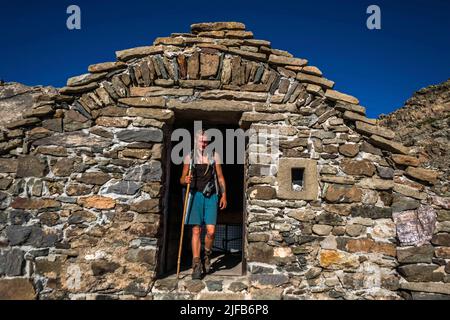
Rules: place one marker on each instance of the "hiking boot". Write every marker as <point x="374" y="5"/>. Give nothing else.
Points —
<point x="207" y="260"/>
<point x="196" y="269"/>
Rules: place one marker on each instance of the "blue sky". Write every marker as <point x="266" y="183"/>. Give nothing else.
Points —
<point x="380" y="67"/>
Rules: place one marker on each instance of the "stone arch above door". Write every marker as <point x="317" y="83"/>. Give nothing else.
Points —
<point x="221" y="68"/>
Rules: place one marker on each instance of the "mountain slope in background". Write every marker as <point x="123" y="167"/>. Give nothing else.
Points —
<point x="424" y="121"/>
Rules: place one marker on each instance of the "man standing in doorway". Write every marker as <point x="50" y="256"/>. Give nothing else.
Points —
<point x="208" y="192"/>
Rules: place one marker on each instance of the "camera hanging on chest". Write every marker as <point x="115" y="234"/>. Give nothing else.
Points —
<point x="203" y="177"/>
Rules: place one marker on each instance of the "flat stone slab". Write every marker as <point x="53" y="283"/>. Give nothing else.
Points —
<point x="76" y="139"/>
<point x="388" y="145"/>
<point x="336" y="95"/>
<point x="434" y="287"/>
<point x="216" y="26"/>
<point x="138" y="52"/>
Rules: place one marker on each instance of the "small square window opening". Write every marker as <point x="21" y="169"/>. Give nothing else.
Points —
<point x="297" y="180"/>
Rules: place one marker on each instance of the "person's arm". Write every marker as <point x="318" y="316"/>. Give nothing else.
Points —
<point x="222" y="184"/>
<point x="185" y="179"/>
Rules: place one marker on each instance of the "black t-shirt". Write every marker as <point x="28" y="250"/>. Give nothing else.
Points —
<point x="202" y="174"/>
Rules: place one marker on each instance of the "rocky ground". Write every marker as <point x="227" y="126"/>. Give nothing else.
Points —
<point x="424" y="121"/>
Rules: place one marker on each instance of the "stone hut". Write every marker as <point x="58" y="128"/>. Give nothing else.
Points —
<point x="85" y="182"/>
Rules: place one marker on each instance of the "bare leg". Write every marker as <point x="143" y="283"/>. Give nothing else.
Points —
<point x="196" y="246"/>
<point x="196" y="243"/>
<point x="209" y="238"/>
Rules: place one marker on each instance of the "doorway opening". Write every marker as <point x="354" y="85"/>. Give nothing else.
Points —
<point x="228" y="252"/>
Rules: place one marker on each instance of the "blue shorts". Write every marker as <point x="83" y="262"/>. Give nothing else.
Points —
<point x="202" y="210"/>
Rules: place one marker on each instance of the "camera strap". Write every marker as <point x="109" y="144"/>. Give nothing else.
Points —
<point x="213" y="165"/>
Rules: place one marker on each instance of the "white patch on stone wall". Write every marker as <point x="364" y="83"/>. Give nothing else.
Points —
<point x="311" y="148"/>
<point x="282" y="252"/>
<point x="96" y="256"/>
<point x="329" y="243"/>
<point x="373" y="275"/>
<point x="73" y="277"/>
<point x="383" y="229"/>
<point x="102" y="219"/>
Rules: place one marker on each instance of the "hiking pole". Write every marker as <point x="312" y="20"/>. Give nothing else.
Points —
<point x="186" y="203"/>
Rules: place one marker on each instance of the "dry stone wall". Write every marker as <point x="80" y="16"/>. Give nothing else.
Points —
<point x="82" y="180"/>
